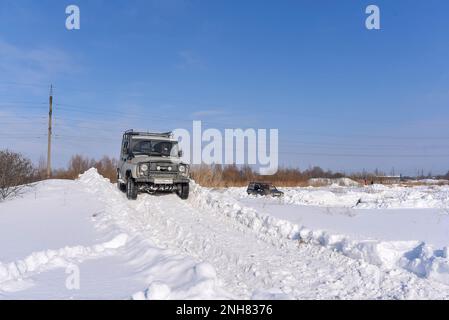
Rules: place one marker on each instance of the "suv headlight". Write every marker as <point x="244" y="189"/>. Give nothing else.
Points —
<point x="184" y="170"/>
<point x="144" y="167"/>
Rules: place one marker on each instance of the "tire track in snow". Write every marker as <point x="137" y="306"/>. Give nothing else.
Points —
<point x="251" y="267"/>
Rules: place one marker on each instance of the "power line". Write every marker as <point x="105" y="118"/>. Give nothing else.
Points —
<point x="22" y="84"/>
<point x="23" y="105"/>
<point x="367" y="155"/>
<point x="290" y="143"/>
<point x="318" y="134"/>
<point x="211" y="122"/>
<point x="81" y="140"/>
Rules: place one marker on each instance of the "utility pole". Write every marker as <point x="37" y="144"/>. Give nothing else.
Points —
<point x="50" y="114"/>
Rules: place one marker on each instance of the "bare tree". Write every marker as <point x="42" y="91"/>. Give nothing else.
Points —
<point x="42" y="169"/>
<point x="16" y="172"/>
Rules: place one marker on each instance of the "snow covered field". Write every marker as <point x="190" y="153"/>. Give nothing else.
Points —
<point x="316" y="243"/>
<point x="390" y="226"/>
<point x="373" y="212"/>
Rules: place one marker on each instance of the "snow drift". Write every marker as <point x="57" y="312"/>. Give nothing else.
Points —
<point x="51" y="259"/>
<point x="342" y="182"/>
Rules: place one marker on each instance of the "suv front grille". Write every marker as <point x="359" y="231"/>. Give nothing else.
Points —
<point x="164" y="167"/>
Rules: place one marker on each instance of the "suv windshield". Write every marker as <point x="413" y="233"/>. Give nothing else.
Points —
<point x="155" y="148"/>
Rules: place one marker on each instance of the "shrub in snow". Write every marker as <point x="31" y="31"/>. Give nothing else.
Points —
<point x="15" y="173"/>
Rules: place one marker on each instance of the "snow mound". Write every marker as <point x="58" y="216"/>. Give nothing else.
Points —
<point x="200" y="282"/>
<point x="342" y="182"/>
<point x="92" y="176"/>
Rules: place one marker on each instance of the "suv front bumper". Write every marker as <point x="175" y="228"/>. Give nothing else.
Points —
<point x="162" y="179"/>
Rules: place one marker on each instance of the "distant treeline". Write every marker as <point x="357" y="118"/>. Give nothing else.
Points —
<point x="233" y="176"/>
<point x="205" y="175"/>
<point x="224" y="176"/>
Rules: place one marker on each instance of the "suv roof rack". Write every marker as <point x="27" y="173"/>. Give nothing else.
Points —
<point x="149" y="134"/>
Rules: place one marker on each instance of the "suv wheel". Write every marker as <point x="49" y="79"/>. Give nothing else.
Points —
<point x="121" y="186"/>
<point x="131" y="189"/>
<point x="183" y="191"/>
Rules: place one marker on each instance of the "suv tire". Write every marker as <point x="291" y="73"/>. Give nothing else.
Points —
<point x="183" y="191"/>
<point x="121" y="186"/>
<point x="131" y="189"/>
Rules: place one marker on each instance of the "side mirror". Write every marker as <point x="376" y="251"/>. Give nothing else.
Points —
<point x="180" y="153"/>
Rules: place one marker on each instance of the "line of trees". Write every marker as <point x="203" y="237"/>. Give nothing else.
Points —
<point x="17" y="172"/>
<point x="210" y="176"/>
<point x="224" y="176"/>
<point x="233" y="176"/>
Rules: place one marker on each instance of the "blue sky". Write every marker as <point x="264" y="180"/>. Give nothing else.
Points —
<point x="342" y="97"/>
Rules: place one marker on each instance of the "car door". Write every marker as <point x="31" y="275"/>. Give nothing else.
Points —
<point x="123" y="156"/>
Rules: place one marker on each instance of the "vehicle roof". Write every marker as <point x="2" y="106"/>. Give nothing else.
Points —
<point x="159" y="138"/>
<point x="259" y="182"/>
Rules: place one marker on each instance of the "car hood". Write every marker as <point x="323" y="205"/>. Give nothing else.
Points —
<point x="145" y="158"/>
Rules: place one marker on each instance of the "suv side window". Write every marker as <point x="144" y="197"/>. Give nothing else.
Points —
<point x="125" y="142"/>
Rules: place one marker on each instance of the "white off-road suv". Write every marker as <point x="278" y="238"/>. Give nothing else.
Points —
<point x="151" y="162"/>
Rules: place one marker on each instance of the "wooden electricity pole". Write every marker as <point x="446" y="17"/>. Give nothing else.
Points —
<point x="50" y="113"/>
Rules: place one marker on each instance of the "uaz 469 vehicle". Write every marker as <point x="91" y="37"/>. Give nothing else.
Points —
<point x="151" y="162"/>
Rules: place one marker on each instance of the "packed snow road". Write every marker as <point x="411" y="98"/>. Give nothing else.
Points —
<point x="160" y="247"/>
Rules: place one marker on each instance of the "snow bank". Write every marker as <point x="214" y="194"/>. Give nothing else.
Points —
<point x="414" y="256"/>
<point x="220" y="202"/>
<point x="50" y="259"/>
<point x="431" y="181"/>
<point x="342" y="182"/>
